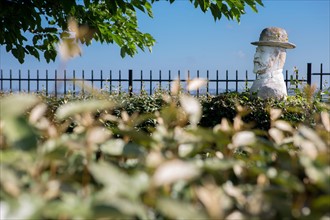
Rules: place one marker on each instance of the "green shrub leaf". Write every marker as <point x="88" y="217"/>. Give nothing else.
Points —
<point x="16" y="105"/>
<point x="78" y="107"/>
<point x="175" y="209"/>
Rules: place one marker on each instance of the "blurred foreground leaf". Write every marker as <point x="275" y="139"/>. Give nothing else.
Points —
<point x="175" y="209"/>
<point x="20" y="133"/>
<point x="16" y="105"/>
<point x="117" y="183"/>
<point x="175" y="170"/>
<point x="118" y="147"/>
<point x="77" y="107"/>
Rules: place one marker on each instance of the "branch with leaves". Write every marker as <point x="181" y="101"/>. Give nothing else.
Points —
<point x="34" y="27"/>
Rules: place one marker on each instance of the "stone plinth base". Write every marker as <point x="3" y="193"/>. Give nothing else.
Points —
<point x="269" y="85"/>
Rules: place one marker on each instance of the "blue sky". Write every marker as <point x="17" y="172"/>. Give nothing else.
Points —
<point x="188" y="39"/>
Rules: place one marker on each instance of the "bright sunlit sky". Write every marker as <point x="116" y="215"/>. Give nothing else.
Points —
<point x="189" y="39"/>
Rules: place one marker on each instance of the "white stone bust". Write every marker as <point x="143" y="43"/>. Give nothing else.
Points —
<point x="268" y="61"/>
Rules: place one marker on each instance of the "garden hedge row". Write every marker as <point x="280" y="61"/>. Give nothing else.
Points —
<point x="164" y="157"/>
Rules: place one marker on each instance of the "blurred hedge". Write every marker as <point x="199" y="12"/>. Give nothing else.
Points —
<point x="295" y="109"/>
<point x="148" y="157"/>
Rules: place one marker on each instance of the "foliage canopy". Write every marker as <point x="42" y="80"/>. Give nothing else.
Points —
<point x="35" y="26"/>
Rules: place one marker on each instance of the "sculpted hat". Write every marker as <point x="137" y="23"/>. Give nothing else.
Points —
<point x="274" y="37"/>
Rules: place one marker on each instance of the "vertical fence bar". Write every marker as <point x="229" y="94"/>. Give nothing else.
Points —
<point x="83" y="82"/>
<point x="29" y="81"/>
<point x="74" y="82"/>
<point x="46" y="82"/>
<point x="236" y="81"/>
<point x="119" y="81"/>
<point x="38" y="81"/>
<point x="101" y="81"/>
<point x="198" y="87"/>
<point x="1" y="80"/>
<point x="207" y="83"/>
<point x="297" y="78"/>
<point x="110" y="89"/>
<point x="141" y="81"/>
<point x="286" y="79"/>
<point x="150" y="85"/>
<point x="169" y="80"/>
<point x="309" y="73"/>
<point x="10" y="80"/>
<point x="92" y="78"/>
<point x="321" y="77"/>
<point x="64" y="82"/>
<point x="130" y="82"/>
<point x="55" y="83"/>
<point x="246" y="80"/>
<point x="160" y="80"/>
<point x="226" y="80"/>
<point x="217" y="82"/>
<point x="19" y="80"/>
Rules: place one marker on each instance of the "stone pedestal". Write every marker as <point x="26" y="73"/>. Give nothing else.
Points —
<point x="269" y="85"/>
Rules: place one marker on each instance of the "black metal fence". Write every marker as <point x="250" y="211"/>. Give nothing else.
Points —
<point x="64" y="82"/>
<point x="322" y="82"/>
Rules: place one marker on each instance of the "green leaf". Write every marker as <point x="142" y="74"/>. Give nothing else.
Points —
<point x="78" y="107"/>
<point x="117" y="39"/>
<point x="148" y="7"/>
<point x="8" y="47"/>
<point x="215" y="164"/>
<point x="259" y="2"/>
<point x="284" y="178"/>
<point x="33" y="51"/>
<point x="203" y="5"/>
<point x="16" y="105"/>
<point x="117" y="182"/>
<point x="9" y="182"/>
<point x="47" y="56"/>
<point x="138" y="5"/>
<point x="117" y="147"/>
<point x="219" y="4"/>
<point x="26" y="206"/>
<point x="123" y="51"/>
<point x="68" y="6"/>
<point x="175" y="209"/>
<point x="54" y="149"/>
<point x="118" y="208"/>
<point x="111" y="6"/>
<point x="122" y="5"/>
<point x="87" y="3"/>
<point x="139" y="137"/>
<point x="20" y="134"/>
<point x="322" y="202"/>
<point x="71" y="205"/>
<point x="215" y="12"/>
<point x="15" y="53"/>
<point x="252" y="5"/>
<point x="317" y="174"/>
<point x="173" y="171"/>
<point x="192" y="107"/>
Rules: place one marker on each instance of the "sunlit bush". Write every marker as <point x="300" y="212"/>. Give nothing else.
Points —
<point x="88" y="158"/>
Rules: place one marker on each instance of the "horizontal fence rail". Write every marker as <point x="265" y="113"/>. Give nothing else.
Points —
<point x="64" y="82"/>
